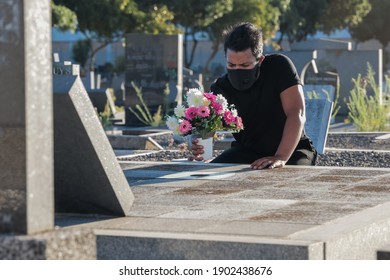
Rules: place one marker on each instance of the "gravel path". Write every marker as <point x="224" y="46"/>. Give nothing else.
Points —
<point x="342" y="149"/>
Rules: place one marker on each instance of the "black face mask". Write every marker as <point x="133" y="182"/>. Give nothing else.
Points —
<point x="242" y="79"/>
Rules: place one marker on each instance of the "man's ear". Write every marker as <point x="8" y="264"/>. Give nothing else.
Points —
<point x="261" y="58"/>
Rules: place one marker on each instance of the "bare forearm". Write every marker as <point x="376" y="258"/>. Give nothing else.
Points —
<point x="291" y="135"/>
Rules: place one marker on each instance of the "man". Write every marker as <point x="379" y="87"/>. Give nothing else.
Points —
<point x="268" y="95"/>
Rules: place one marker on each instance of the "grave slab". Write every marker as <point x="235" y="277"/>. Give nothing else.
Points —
<point x="194" y="247"/>
<point x="68" y="244"/>
<point x="131" y="142"/>
<point x="295" y="212"/>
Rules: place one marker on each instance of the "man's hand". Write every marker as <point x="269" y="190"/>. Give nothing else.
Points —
<point x="268" y="162"/>
<point x="197" y="151"/>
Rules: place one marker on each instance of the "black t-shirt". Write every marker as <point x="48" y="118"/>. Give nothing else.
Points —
<point x="260" y="106"/>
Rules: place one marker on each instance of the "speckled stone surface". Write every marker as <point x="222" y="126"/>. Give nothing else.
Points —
<point x="69" y="244"/>
<point x="88" y="177"/>
<point x="26" y="118"/>
<point x="196" y="211"/>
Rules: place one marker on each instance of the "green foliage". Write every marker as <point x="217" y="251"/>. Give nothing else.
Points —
<point x="106" y="21"/>
<point x="336" y="107"/>
<point x="375" y="24"/>
<point x="194" y="16"/>
<point x="366" y="111"/>
<point x="120" y="64"/>
<point x="119" y="17"/>
<point x="143" y="113"/>
<point x="81" y="50"/>
<point x="63" y="18"/>
<point x="258" y="12"/>
<point x="156" y="19"/>
<point x="303" y="18"/>
<point x="106" y="116"/>
<point x="197" y="14"/>
<point x="344" y="14"/>
<point x="312" y="95"/>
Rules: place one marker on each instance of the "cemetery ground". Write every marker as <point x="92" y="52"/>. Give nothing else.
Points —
<point x="186" y="210"/>
<point x="344" y="147"/>
<point x="68" y="197"/>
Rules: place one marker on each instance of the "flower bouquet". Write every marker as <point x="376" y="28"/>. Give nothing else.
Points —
<point x="201" y="115"/>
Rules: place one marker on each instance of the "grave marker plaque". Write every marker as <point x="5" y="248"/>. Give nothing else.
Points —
<point x="154" y="63"/>
<point x="65" y="68"/>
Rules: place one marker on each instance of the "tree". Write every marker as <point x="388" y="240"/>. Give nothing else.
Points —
<point x="375" y="24"/>
<point x="81" y="50"/>
<point x="349" y="13"/>
<point x="63" y="18"/>
<point x="303" y="18"/>
<point x="106" y="21"/>
<point x="195" y="16"/>
<point x="259" y="12"/>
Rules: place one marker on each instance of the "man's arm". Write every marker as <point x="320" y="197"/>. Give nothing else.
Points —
<point x="293" y="103"/>
<point x="294" y="107"/>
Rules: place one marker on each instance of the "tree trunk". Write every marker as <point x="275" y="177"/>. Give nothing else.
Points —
<point x="93" y="54"/>
<point x="214" y="52"/>
<point x="194" y="45"/>
<point x="185" y="47"/>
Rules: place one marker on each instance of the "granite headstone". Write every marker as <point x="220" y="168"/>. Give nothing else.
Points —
<point x="65" y="68"/>
<point x="154" y="63"/>
<point x="88" y="178"/>
<point x="26" y="118"/>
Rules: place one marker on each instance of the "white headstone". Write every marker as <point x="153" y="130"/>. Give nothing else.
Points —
<point x="318" y="114"/>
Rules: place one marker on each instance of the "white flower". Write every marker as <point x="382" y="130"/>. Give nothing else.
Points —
<point x="222" y="101"/>
<point x="173" y="124"/>
<point x="193" y="91"/>
<point x="234" y="112"/>
<point x="179" y="111"/>
<point x="195" y="98"/>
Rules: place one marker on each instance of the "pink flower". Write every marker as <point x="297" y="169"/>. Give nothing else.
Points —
<point x="239" y="123"/>
<point x="204" y="111"/>
<point x="191" y="113"/>
<point x="228" y="117"/>
<point x="185" y="126"/>
<point x="217" y="108"/>
<point x="210" y="96"/>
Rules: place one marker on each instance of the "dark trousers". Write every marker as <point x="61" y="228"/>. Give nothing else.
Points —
<point x="305" y="154"/>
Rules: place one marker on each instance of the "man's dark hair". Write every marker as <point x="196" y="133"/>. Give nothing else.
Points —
<point x="243" y="36"/>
